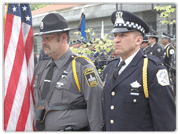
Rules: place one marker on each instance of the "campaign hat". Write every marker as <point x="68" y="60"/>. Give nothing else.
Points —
<point x="53" y="23"/>
<point x="124" y="21"/>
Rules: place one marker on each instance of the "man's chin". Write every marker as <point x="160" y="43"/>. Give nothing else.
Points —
<point x="46" y="52"/>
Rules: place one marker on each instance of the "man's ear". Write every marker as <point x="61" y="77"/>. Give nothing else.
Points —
<point x="64" y="37"/>
<point x="139" y="40"/>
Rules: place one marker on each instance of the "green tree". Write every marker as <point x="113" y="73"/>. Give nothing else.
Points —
<point x="107" y="44"/>
<point x="36" y="6"/>
<point x="166" y="13"/>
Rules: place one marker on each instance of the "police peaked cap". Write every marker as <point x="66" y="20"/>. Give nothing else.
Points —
<point x="53" y="23"/>
<point x="152" y="34"/>
<point x="164" y="35"/>
<point x="125" y="21"/>
<point x="145" y="39"/>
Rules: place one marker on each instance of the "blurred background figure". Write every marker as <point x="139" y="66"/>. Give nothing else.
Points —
<point x="145" y="45"/>
<point x="154" y="49"/>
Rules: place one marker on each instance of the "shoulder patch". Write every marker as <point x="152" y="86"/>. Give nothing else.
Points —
<point x="91" y="77"/>
<point x="171" y="51"/>
<point x="162" y="77"/>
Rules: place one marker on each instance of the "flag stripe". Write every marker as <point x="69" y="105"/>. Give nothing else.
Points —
<point x="29" y="124"/>
<point x="8" y="30"/>
<point x="29" y="48"/>
<point x="24" y="110"/>
<point x="11" y="48"/>
<point x="14" y="79"/>
<point x="18" y="100"/>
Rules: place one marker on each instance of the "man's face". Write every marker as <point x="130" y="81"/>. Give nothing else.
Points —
<point x="50" y="44"/>
<point x="164" y="41"/>
<point x="144" y="45"/>
<point x="125" y="44"/>
<point x="150" y="40"/>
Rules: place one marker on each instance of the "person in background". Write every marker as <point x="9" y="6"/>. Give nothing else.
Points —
<point x="154" y="49"/>
<point x="145" y="45"/>
<point x="168" y="51"/>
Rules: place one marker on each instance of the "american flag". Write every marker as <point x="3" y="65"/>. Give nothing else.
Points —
<point x="19" y="68"/>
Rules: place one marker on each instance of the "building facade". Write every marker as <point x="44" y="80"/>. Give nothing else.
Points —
<point x="98" y="12"/>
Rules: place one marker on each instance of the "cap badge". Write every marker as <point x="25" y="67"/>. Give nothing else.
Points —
<point x="119" y="18"/>
<point x="41" y="25"/>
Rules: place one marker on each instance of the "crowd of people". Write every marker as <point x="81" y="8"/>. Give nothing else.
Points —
<point x="165" y="52"/>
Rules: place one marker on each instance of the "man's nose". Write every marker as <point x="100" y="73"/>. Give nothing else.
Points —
<point x="116" y="40"/>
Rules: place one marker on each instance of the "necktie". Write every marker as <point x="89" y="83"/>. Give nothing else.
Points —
<point x="115" y="74"/>
<point x="47" y="81"/>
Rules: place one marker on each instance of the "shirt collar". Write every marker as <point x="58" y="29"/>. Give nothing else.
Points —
<point x="153" y="44"/>
<point x="167" y="45"/>
<point x="145" y="48"/>
<point x="129" y="59"/>
<point x="62" y="60"/>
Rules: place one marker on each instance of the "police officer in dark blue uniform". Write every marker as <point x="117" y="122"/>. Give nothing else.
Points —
<point x="145" y="45"/>
<point x="137" y="91"/>
<point x="168" y="51"/>
<point x="155" y="48"/>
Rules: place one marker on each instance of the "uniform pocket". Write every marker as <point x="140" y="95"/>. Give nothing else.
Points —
<point x="61" y="94"/>
<point x="135" y="106"/>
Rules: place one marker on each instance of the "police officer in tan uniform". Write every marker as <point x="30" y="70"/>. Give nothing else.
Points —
<point x="68" y="106"/>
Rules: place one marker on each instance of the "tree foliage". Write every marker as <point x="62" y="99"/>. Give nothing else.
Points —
<point x="166" y="13"/>
<point x="36" y="6"/>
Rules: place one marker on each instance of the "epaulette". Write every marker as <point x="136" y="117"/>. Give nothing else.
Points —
<point x="83" y="61"/>
<point x="154" y="59"/>
<point x="113" y="60"/>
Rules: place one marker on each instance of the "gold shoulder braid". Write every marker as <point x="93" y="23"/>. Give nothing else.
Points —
<point x="75" y="72"/>
<point x="145" y="86"/>
<point x="167" y="51"/>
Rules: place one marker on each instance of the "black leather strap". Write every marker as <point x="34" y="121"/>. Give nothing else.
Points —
<point x="67" y="107"/>
<point x="53" y="84"/>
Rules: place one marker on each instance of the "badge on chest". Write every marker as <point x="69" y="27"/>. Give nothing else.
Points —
<point x="135" y="88"/>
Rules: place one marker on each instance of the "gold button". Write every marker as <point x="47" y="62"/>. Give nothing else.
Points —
<point x="112" y="121"/>
<point x="113" y="93"/>
<point x="112" y="107"/>
<point x="134" y="100"/>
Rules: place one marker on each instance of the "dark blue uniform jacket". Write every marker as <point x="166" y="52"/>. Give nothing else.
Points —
<point x="167" y="56"/>
<point x="127" y="109"/>
<point x="156" y="50"/>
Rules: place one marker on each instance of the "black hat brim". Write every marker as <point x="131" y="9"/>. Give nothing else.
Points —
<point x="53" y="31"/>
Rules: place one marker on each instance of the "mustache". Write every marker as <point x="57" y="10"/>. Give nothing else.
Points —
<point x="45" y="46"/>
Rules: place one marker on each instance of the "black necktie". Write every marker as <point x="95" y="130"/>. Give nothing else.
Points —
<point x="47" y="81"/>
<point x="115" y="74"/>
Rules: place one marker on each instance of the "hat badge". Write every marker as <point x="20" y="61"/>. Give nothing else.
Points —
<point x="119" y="18"/>
<point x="41" y="25"/>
